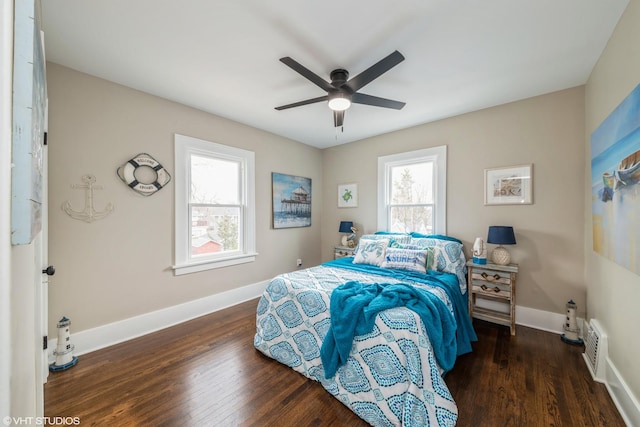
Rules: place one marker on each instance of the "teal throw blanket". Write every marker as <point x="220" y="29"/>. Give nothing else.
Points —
<point x="353" y="310"/>
<point x="445" y="281"/>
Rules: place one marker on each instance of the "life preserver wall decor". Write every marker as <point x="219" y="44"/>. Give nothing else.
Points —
<point x="127" y="174"/>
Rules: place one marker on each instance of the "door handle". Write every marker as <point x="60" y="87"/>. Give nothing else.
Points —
<point x="49" y="271"/>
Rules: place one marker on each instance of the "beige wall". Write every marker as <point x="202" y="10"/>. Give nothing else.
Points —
<point x="120" y="266"/>
<point x="547" y="131"/>
<point x="613" y="292"/>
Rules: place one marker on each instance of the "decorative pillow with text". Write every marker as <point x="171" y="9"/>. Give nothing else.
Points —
<point x="418" y="260"/>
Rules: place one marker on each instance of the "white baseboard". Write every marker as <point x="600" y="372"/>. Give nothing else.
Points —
<point x="113" y="333"/>
<point x="543" y="320"/>
<point x="531" y="317"/>
<point x="622" y="397"/>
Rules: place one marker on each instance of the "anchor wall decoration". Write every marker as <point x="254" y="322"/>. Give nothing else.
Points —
<point x="89" y="214"/>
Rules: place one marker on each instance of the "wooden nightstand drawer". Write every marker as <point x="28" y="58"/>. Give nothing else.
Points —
<point x="493" y="290"/>
<point x="342" y="251"/>
<point x="491" y="276"/>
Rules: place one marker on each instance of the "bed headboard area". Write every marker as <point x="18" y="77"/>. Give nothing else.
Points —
<point x="448" y="252"/>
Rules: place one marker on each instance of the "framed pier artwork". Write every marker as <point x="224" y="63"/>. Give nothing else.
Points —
<point x="291" y="200"/>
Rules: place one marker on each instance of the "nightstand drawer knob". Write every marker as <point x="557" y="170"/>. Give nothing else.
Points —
<point x="495" y="289"/>
<point x="490" y="278"/>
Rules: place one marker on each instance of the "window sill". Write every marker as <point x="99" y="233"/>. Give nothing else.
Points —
<point x="179" y="270"/>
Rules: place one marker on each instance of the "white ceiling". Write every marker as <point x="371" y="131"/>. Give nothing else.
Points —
<point x="223" y="56"/>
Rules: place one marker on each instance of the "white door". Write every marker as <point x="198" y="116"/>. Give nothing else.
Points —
<point x="40" y="320"/>
<point x="42" y="276"/>
<point x="29" y="191"/>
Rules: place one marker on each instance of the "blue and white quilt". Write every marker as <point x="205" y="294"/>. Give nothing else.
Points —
<point x="391" y="376"/>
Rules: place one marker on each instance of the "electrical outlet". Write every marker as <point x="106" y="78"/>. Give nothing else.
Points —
<point x="299" y="262"/>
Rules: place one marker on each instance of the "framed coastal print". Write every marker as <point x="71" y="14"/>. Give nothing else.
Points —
<point x="291" y="197"/>
<point x="347" y="195"/>
<point x="511" y="185"/>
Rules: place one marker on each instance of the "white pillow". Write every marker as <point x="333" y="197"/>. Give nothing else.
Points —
<point x="370" y="251"/>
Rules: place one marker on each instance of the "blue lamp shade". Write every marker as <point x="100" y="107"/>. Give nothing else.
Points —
<point x="345" y="226"/>
<point x="501" y="235"/>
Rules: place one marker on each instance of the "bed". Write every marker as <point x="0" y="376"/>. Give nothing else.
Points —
<point x="347" y="324"/>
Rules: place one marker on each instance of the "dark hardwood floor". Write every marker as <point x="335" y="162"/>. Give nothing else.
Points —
<point x="206" y="372"/>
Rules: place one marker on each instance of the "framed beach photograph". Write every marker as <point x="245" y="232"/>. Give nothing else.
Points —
<point x="348" y="195"/>
<point x="511" y="185"/>
<point x="291" y="197"/>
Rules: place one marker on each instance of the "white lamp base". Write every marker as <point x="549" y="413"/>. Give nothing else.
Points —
<point x="501" y="256"/>
<point x="345" y="240"/>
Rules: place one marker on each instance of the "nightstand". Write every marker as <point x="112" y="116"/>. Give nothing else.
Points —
<point x="495" y="283"/>
<point x="342" y="251"/>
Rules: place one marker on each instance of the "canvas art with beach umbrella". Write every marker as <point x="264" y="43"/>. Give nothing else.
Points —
<point x="615" y="181"/>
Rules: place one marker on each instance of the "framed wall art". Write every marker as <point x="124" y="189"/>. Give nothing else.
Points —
<point x="291" y="197"/>
<point x="511" y="185"/>
<point x="615" y="184"/>
<point x="347" y="195"/>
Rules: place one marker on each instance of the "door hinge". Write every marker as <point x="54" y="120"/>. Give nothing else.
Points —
<point x="45" y="342"/>
<point x="44" y="140"/>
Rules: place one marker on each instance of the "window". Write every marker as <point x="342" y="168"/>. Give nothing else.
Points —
<point x="412" y="191"/>
<point x="215" y="205"/>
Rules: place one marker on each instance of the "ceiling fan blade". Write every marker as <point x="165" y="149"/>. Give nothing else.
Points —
<point x="308" y="74"/>
<point x="361" y="98"/>
<point x="375" y="71"/>
<point x="305" y="102"/>
<point x="338" y="118"/>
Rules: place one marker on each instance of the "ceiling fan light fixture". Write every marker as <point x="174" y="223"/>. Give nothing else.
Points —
<point x="341" y="91"/>
<point x="339" y="101"/>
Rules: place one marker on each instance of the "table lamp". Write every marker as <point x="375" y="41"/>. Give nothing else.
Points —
<point x="345" y="227"/>
<point x="501" y="235"/>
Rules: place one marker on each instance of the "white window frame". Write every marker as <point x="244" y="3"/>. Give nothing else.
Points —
<point x="185" y="147"/>
<point x="437" y="155"/>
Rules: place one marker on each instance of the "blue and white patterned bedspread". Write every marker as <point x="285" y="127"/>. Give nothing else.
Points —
<point x="391" y="377"/>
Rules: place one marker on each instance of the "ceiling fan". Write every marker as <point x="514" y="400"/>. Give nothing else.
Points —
<point x="342" y="92"/>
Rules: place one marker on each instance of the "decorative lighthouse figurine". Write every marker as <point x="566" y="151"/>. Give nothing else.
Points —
<point x="64" y="349"/>
<point x="570" y="326"/>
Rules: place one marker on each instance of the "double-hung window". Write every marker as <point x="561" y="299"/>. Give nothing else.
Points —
<point x="214" y="205"/>
<point x="412" y="191"/>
